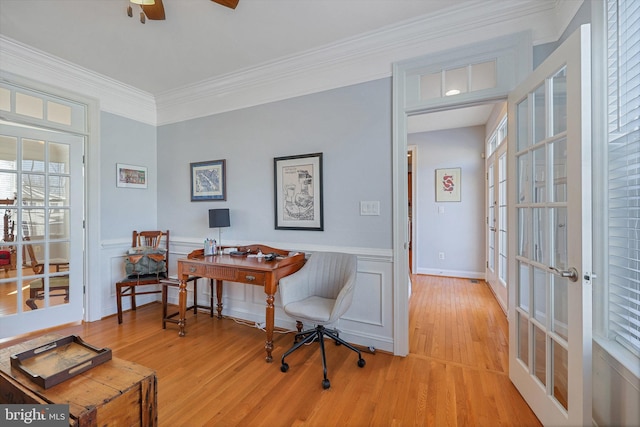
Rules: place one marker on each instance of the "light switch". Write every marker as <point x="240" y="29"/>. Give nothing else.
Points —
<point x="370" y="208"/>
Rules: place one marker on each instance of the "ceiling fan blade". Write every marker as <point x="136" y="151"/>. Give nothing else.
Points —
<point x="228" y="3"/>
<point x="154" y="11"/>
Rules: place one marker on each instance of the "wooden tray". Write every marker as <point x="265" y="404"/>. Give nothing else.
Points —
<point x="59" y="360"/>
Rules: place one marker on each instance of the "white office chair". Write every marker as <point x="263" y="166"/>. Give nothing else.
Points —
<point x="320" y="292"/>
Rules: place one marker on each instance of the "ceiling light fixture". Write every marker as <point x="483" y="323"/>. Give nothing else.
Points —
<point x="142" y="3"/>
<point x="452" y="92"/>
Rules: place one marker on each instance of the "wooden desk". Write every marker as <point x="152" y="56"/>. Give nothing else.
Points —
<point x="242" y="269"/>
<point x="115" y="393"/>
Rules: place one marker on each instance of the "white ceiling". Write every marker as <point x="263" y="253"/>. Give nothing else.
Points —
<point x="199" y="39"/>
<point x="476" y="115"/>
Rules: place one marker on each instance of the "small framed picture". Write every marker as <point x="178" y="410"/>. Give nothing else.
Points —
<point x="130" y="176"/>
<point x="298" y="192"/>
<point x="208" y="181"/>
<point x="448" y="185"/>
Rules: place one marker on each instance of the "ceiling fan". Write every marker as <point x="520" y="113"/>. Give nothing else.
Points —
<point x="154" y="9"/>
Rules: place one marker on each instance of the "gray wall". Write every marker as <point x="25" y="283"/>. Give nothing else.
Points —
<point x="459" y="230"/>
<point x="123" y="210"/>
<point x="351" y="126"/>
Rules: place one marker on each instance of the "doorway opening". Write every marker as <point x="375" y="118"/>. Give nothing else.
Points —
<point x="448" y="237"/>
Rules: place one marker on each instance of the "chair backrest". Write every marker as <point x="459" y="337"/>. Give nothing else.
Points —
<point x="329" y="275"/>
<point x="154" y="238"/>
<point x="36" y="266"/>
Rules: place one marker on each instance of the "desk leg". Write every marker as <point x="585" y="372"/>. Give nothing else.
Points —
<point x="182" y="306"/>
<point x="268" y="346"/>
<point x="219" y="297"/>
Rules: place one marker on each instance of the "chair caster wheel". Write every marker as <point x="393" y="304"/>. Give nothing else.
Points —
<point x="326" y="384"/>
<point x="284" y="367"/>
<point x="361" y="363"/>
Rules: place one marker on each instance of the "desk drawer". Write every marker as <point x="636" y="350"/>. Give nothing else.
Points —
<point x="194" y="270"/>
<point x="251" y="277"/>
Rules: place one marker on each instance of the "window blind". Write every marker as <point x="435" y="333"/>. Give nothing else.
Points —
<point x="623" y="68"/>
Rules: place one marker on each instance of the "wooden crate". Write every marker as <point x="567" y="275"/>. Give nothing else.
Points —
<point x="115" y="393"/>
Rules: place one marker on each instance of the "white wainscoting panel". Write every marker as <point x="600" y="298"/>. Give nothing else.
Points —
<point x="368" y="322"/>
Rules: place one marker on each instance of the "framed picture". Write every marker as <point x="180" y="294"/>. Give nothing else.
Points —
<point x="448" y="185"/>
<point x="298" y="192"/>
<point x="129" y="176"/>
<point x="208" y="181"/>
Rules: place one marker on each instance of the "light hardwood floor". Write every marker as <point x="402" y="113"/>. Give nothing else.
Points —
<point x="455" y="375"/>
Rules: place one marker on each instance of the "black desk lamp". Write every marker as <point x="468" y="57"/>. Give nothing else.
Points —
<point x="219" y="218"/>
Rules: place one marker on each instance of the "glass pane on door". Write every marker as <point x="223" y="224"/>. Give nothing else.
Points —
<point x="539" y="114"/>
<point x="560" y="305"/>
<point x="559" y="170"/>
<point x="561" y="244"/>
<point x="523" y="288"/>
<point x="524" y="180"/>
<point x="522" y="125"/>
<point x="540" y="241"/>
<point x="524" y="232"/>
<point x="560" y="360"/>
<point x="539" y="175"/>
<point x="559" y="101"/>
<point x="540" y="355"/>
<point x="540" y="295"/>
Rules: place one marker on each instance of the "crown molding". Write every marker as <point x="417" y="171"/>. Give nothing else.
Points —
<point x="351" y="61"/>
<point x="113" y="96"/>
<point x="356" y="60"/>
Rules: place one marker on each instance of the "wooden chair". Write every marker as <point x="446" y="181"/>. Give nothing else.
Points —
<point x="127" y="286"/>
<point x="57" y="283"/>
<point x="38" y="267"/>
<point x="175" y="283"/>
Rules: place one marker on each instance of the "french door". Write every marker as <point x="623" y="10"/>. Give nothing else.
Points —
<point x="550" y="246"/>
<point x="496" y="270"/>
<point x="41" y="185"/>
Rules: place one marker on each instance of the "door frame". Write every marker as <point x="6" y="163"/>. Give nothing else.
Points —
<point x="92" y="183"/>
<point x="513" y="53"/>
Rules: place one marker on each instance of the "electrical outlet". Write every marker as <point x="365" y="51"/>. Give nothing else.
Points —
<point x="441" y="255"/>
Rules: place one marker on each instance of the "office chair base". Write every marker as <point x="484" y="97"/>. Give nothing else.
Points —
<point x="318" y="334"/>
